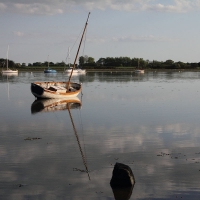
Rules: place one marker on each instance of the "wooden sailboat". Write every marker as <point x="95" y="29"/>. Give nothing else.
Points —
<point x="59" y="89"/>
<point x="8" y="71"/>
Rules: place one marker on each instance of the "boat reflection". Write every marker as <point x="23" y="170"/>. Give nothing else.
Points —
<point x="48" y="105"/>
<point x="9" y="76"/>
<point x="50" y="74"/>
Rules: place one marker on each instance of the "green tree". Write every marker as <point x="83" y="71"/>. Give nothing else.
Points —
<point x="37" y="64"/>
<point x="169" y="62"/>
<point x="109" y="61"/>
<point x="134" y="62"/>
<point x="81" y="60"/>
<point x="90" y="60"/>
<point x="101" y="61"/>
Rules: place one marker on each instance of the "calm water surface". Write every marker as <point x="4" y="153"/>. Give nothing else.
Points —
<point x="149" y="122"/>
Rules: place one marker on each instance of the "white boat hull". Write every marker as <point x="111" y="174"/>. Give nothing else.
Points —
<point x="139" y="71"/>
<point x="9" y="71"/>
<point x="76" y="71"/>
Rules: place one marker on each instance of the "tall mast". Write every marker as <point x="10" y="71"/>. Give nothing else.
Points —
<point x="7" y="57"/>
<point x="48" y="61"/>
<point x="68" y="56"/>
<point x="78" y="51"/>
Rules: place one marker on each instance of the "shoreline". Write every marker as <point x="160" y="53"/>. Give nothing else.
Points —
<point x="114" y="70"/>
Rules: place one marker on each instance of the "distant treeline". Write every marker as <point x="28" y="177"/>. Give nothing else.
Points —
<point x="106" y="63"/>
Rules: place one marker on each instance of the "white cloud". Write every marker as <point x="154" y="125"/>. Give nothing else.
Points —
<point x="113" y="5"/>
<point x="147" y="38"/>
<point x="2" y="6"/>
<point x="99" y="40"/>
<point x="37" y="8"/>
<point x="178" y="6"/>
<point x="51" y="7"/>
<point x="19" y="33"/>
<point x="130" y="38"/>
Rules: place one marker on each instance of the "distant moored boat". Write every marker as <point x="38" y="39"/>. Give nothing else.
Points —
<point x="139" y="71"/>
<point x="49" y="70"/>
<point x="8" y="71"/>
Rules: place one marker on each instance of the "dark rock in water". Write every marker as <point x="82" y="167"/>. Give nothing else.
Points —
<point x="122" y="176"/>
<point x="122" y="182"/>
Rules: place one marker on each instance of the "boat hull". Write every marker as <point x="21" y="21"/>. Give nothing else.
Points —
<point x="9" y="71"/>
<point x="51" y="90"/>
<point x="139" y="71"/>
<point x="50" y="71"/>
<point x="76" y="71"/>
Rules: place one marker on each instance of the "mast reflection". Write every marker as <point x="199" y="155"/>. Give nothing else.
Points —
<point x="50" y="105"/>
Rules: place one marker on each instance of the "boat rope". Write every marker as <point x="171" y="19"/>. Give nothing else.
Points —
<point x="81" y="123"/>
<point x="71" y="48"/>
<point x="84" y="42"/>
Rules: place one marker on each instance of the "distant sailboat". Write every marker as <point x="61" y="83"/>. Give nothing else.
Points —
<point x="49" y="70"/>
<point x="138" y="70"/>
<point x="8" y="71"/>
<point x="60" y="89"/>
<point x="75" y="71"/>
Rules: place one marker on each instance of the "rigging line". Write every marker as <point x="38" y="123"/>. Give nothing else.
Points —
<point x="84" y="42"/>
<point x="80" y="118"/>
<point x="83" y="138"/>
<point x="82" y="132"/>
<point x="81" y="129"/>
<point x="81" y="124"/>
<point x="76" y="41"/>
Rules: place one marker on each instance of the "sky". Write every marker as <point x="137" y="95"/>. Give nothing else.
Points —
<point x="41" y="30"/>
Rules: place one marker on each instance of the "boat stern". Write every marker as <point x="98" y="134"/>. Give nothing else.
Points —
<point x="36" y="90"/>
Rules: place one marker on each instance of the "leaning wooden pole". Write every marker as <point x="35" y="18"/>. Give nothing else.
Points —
<point x="77" y="52"/>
